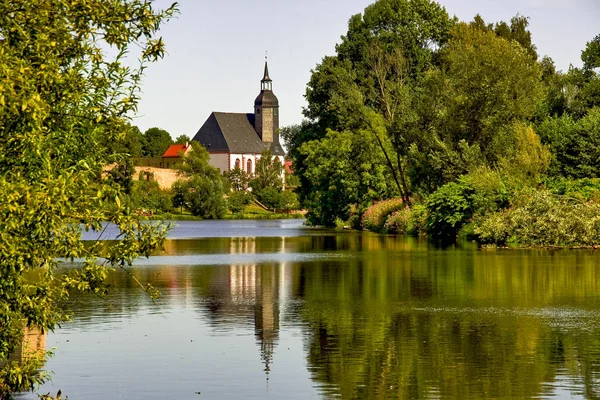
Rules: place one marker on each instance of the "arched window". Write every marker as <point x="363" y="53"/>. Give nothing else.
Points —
<point x="249" y="166"/>
<point x="237" y="163"/>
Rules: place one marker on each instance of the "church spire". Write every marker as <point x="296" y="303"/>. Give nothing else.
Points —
<point x="266" y="83"/>
<point x="266" y="110"/>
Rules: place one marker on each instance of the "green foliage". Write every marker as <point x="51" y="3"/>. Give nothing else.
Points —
<point x="121" y="175"/>
<point x="201" y="195"/>
<point x="238" y="200"/>
<point x="278" y="199"/>
<point x="575" y="144"/>
<point x="129" y="144"/>
<point x="63" y="100"/>
<point x="517" y="31"/>
<point x="183" y="139"/>
<point x="591" y="54"/>
<point x="491" y="84"/>
<point x="345" y="174"/>
<point x="540" y="218"/>
<point x="196" y="162"/>
<point x="202" y="189"/>
<point x="375" y="217"/>
<point x="409" y="221"/>
<point x="147" y="195"/>
<point x="448" y="209"/>
<point x="580" y="189"/>
<point x="528" y="161"/>
<point x="267" y="174"/>
<point x="24" y="374"/>
<point x="238" y="179"/>
<point x="156" y="141"/>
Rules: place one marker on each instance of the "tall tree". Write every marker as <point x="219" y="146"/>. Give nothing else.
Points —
<point x="201" y="188"/>
<point x="63" y="98"/>
<point x="488" y="84"/>
<point x="183" y="139"/>
<point x="268" y="173"/>
<point x="368" y="86"/>
<point x="156" y="142"/>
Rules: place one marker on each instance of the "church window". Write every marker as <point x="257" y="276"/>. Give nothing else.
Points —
<point x="237" y="163"/>
<point x="249" y="166"/>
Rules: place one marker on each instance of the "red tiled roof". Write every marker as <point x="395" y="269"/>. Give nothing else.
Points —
<point x="174" y="149"/>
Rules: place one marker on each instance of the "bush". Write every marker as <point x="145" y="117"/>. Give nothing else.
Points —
<point x="410" y="221"/>
<point x="147" y="195"/>
<point x="201" y="195"/>
<point x="540" y="218"/>
<point x="581" y="189"/>
<point x="238" y="201"/>
<point x="374" y="218"/>
<point x="448" y="209"/>
<point x="398" y="222"/>
<point x="454" y="204"/>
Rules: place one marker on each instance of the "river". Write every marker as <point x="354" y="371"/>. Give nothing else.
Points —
<point x="275" y="310"/>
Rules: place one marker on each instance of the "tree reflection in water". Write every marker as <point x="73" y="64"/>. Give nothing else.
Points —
<point x="387" y="317"/>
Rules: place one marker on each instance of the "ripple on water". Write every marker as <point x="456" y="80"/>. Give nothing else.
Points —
<point x="555" y="317"/>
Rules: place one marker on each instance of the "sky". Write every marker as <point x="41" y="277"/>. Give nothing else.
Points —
<point x="216" y="50"/>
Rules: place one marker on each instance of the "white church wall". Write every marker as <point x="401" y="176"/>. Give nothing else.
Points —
<point x="220" y="161"/>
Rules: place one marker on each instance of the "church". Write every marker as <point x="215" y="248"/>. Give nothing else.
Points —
<point x="238" y="139"/>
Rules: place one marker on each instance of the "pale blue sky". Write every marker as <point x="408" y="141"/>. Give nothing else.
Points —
<point x="216" y="50"/>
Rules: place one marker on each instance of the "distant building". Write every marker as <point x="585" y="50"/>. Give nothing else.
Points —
<point x="174" y="154"/>
<point x="238" y="139"/>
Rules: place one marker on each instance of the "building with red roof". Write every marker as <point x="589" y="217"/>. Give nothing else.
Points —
<point x="174" y="154"/>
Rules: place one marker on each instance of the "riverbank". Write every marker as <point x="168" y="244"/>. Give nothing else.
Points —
<point x="532" y="218"/>
<point x="250" y="212"/>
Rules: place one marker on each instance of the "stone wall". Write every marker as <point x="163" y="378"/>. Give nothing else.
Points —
<point x="165" y="177"/>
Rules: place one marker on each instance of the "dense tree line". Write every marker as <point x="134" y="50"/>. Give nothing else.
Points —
<point x="414" y="100"/>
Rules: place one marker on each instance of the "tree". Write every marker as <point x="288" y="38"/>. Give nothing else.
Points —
<point x="575" y="144"/>
<point x="62" y="100"/>
<point x="591" y="54"/>
<point x="202" y="196"/>
<point x="267" y="173"/>
<point x="372" y="86"/>
<point x="156" y="142"/>
<point x="183" y="139"/>
<point x="347" y="174"/>
<point x="487" y="84"/>
<point x="129" y="144"/>
<point x="201" y="189"/>
<point x="238" y="179"/>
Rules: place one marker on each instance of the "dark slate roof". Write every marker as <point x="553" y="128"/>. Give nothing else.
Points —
<point x="266" y="76"/>
<point x="233" y="132"/>
<point x="266" y="98"/>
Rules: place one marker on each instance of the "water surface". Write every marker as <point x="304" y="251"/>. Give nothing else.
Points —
<point x="271" y="309"/>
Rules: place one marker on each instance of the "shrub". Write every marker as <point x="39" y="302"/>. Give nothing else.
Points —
<point x="237" y="201"/>
<point x="410" y="221"/>
<point x="147" y="195"/>
<point x="399" y="221"/>
<point x="448" y="209"/>
<point x="581" y="189"/>
<point x="452" y="206"/>
<point x="201" y="195"/>
<point x="540" y="218"/>
<point x="374" y="218"/>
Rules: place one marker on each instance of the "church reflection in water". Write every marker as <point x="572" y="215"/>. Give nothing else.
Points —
<point x="253" y="291"/>
<point x="34" y="342"/>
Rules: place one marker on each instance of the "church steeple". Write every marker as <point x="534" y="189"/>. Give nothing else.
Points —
<point x="266" y="110"/>
<point x="266" y="83"/>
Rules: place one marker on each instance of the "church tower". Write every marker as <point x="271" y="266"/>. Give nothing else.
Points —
<point x="266" y="111"/>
